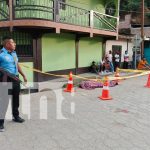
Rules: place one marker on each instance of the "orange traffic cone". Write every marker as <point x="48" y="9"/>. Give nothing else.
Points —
<point x="105" y="91"/>
<point x="148" y="82"/>
<point x="70" y="84"/>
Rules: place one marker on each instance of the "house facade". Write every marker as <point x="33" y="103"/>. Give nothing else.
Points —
<point x="59" y="36"/>
<point x="130" y="29"/>
<point x="124" y="41"/>
<point x="137" y="31"/>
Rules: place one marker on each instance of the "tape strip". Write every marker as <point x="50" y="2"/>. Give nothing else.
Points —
<point x="141" y="73"/>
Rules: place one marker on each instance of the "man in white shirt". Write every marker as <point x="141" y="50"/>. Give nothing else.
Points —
<point x="117" y="60"/>
<point x="126" y="60"/>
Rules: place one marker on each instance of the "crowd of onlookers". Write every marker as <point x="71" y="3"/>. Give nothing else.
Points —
<point x="110" y="62"/>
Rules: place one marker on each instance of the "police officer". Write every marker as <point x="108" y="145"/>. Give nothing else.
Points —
<point x="9" y="62"/>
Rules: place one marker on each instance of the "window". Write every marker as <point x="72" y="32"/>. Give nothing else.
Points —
<point x="146" y="44"/>
<point x="117" y="47"/>
<point x="23" y="40"/>
<point x="110" y="8"/>
<point x="17" y="2"/>
<point x="62" y="5"/>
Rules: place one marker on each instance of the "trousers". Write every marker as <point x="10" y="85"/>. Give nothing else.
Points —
<point x="15" y="91"/>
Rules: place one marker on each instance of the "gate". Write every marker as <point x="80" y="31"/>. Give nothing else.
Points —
<point x="147" y="51"/>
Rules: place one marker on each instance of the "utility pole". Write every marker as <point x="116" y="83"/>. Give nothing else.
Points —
<point x="142" y="29"/>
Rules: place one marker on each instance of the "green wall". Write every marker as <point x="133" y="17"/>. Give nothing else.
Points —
<point x="58" y="52"/>
<point x="36" y="9"/>
<point x="96" y="5"/>
<point x="90" y="49"/>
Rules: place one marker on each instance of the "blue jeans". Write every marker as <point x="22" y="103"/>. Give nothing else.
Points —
<point x="111" y="67"/>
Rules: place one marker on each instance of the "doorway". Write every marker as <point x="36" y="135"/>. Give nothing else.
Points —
<point x="115" y="49"/>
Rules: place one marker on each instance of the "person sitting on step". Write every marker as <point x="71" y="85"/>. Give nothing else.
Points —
<point x="143" y="64"/>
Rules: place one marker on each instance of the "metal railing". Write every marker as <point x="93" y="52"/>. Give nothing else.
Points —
<point x="23" y="40"/>
<point x="78" y="16"/>
<point x="58" y="11"/>
<point x="4" y="12"/>
<point x="73" y="15"/>
<point x="105" y="22"/>
<point x="33" y="9"/>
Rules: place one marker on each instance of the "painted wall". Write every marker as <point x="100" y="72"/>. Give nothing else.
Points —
<point x="109" y="44"/>
<point x="58" y="52"/>
<point x="74" y="14"/>
<point x="77" y="12"/>
<point x="99" y="21"/>
<point x="97" y="5"/>
<point x="44" y="11"/>
<point x="147" y="50"/>
<point x="90" y="49"/>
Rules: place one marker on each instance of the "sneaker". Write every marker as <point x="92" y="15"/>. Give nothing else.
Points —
<point x="2" y="128"/>
<point x="18" y="119"/>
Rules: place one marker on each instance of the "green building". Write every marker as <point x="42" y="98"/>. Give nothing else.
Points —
<point x="59" y="36"/>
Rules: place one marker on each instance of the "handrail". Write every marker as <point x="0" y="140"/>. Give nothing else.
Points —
<point x="60" y="2"/>
<point x="4" y="13"/>
<point x="73" y="15"/>
<point x="58" y="11"/>
<point x="105" y="15"/>
<point x="34" y="10"/>
<point x="105" y="21"/>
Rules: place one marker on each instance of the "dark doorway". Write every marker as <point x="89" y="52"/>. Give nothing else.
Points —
<point x="116" y="48"/>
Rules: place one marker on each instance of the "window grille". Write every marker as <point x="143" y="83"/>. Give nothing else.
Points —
<point x="62" y="5"/>
<point x="24" y="46"/>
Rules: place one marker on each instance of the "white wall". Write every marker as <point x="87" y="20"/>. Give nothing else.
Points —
<point x="109" y="44"/>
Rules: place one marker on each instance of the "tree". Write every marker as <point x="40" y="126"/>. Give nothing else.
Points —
<point x="133" y="7"/>
<point x="129" y="6"/>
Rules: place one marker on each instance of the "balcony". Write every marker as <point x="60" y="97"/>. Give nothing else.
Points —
<point x="53" y="14"/>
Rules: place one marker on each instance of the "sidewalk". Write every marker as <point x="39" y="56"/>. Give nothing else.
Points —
<point x="92" y="124"/>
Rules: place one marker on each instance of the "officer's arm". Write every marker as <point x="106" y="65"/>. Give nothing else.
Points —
<point x="21" y="72"/>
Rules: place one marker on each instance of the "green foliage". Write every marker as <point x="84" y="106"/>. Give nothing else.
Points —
<point x="132" y="5"/>
<point x="129" y="5"/>
<point x="147" y="3"/>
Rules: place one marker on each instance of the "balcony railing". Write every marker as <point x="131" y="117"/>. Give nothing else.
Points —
<point x="4" y="13"/>
<point x="73" y="15"/>
<point x="57" y="11"/>
<point x="103" y="21"/>
<point x="33" y="9"/>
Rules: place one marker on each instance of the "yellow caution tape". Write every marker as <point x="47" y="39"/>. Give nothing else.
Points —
<point x="50" y="74"/>
<point x="36" y="70"/>
<point x="141" y="73"/>
<point x="131" y="70"/>
<point x="127" y="77"/>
